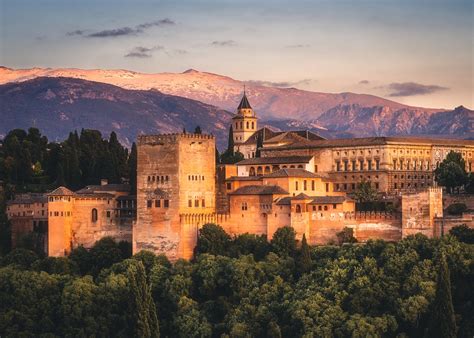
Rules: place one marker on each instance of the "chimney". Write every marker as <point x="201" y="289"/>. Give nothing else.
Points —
<point x="104" y="181"/>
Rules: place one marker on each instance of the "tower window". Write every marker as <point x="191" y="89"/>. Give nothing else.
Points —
<point x="296" y="185"/>
<point x="203" y="203"/>
<point x="94" y="215"/>
<point x="253" y="125"/>
<point x="157" y="203"/>
<point x="166" y="203"/>
<point x="148" y="203"/>
<point x="248" y="125"/>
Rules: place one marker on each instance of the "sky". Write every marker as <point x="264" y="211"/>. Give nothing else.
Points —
<point x="415" y="52"/>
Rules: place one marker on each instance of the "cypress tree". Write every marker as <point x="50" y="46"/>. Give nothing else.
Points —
<point x="60" y="181"/>
<point x="304" y="262"/>
<point x="230" y="142"/>
<point x="197" y="130"/>
<point x="259" y="144"/>
<point x="443" y="323"/>
<point x="132" y="169"/>
<point x="142" y="306"/>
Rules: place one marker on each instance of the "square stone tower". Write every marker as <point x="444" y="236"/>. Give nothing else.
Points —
<point x="175" y="175"/>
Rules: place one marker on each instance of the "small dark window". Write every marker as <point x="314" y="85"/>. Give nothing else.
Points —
<point x="108" y="214"/>
<point x="196" y="202"/>
<point x="157" y="203"/>
<point x="94" y="215"/>
<point x="334" y="206"/>
<point x="190" y="203"/>
<point x="203" y="203"/>
<point x="229" y="186"/>
<point x="149" y="203"/>
<point x="325" y="207"/>
<point x="166" y="203"/>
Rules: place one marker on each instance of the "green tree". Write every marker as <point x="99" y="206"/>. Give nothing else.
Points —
<point x="346" y="235"/>
<point x="304" y="259"/>
<point x="443" y="323"/>
<point x="284" y="241"/>
<point x="451" y="173"/>
<point x="463" y="233"/>
<point x="142" y="307"/>
<point x="212" y="239"/>
<point x="365" y="193"/>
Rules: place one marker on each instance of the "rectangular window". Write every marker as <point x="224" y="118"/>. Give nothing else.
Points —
<point x="229" y="186"/>
<point x="203" y="203"/>
<point x="190" y="203"/>
<point x="108" y="214"/>
<point x="345" y="186"/>
<point x="296" y="185"/>
<point x="353" y="186"/>
<point x="369" y="165"/>
<point x="149" y="203"/>
<point x="327" y="187"/>
<point x="166" y="203"/>
<point x="376" y="185"/>
<point x="361" y="164"/>
<point x="304" y="185"/>
<point x="377" y="164"/>
<point x="338" y="166"/>
<point x="313" y="186"/>
<point x="337" y="187"/>
<point x="157" y="203"/>
<point x="320" y="208"/>
<point x="353" y="165"/>
<point x="315" y="168"/>
<point x="334" y="206"/>
<point x="346" y="165"/>
<point x="196" y="203"/>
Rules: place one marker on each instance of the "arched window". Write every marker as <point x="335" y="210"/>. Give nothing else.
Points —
<point x="298" y="208"/>
<point x="241" y="125"/>
<point x="252" y="171"/>
<point x="94" y="215"/>
<point x="253" y="125"/>
<point x="259" y="171"/>
<point x="267" y="170"/>
<point x="300" y="166"/>
<point x="248" y="125"/>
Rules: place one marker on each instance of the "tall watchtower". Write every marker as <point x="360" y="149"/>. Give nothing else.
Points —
<point x="175" y="175"/>
<point x="244" y="123"/>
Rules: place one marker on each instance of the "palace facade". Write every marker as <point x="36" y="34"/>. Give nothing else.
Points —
<point x="291" y="178"/>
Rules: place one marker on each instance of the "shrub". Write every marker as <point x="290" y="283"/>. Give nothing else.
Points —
<point x="456" y="209"/>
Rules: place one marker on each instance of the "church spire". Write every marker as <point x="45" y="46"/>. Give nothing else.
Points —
<point x="244" y="103"/>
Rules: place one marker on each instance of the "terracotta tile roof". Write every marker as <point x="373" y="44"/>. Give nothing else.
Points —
<point x="28" y="198"/>
<point x="301" y="196"/>
<point x="329" y="199"/>
<point x="293" y="172"/>
<point x="260" y="190"/>
<point x="245" y="178"/>
<point x="61" y="191"/>
<point x="370" y="141"/>
<point x="284" y="201"/>
<point x="104" y="188"/>
<point x="276" y="160"/>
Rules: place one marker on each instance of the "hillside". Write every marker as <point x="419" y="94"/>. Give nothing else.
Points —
<point x="217" y="90"/>
<point x="59" y="105"/>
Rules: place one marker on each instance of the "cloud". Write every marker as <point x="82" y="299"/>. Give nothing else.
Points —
<point x="142" y="52"/>
<point x="114" y="32"/>
<point x="76" y="32"/>
<point x="298" y="46"/>
<point x="412" y="88"/>
<point x="282" y="84"/>
<point x="364" y="82"/>
<point x="224" y="43"/>
<point x="123" y="31"/>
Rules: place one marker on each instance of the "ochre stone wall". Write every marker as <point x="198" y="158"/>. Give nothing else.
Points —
<point x="187" y="164"/>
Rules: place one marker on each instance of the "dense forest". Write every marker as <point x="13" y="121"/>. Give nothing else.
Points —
<point x="245" y="287"/>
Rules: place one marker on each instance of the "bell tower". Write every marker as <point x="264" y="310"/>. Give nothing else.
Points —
<point x="244" y="123"/>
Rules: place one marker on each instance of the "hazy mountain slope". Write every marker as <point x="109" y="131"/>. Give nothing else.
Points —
<point x="60" y="105"/>
<point x="218" y="90"/>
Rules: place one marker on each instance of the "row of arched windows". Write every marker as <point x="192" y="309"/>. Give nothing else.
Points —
<point x="158" y="179"/>
<point x="195" y="177"/>
<point x="262" y="170"/>
<point x="248" y="125"/>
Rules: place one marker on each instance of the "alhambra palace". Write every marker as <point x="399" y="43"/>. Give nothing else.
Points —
<point x="291" y="178"/>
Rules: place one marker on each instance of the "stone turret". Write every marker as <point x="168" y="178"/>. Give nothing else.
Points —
<point x="244" y="122"/>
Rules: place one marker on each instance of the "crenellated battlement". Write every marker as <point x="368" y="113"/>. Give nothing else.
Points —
<point x="173" y="137"/>
<point x="370" y="215"/>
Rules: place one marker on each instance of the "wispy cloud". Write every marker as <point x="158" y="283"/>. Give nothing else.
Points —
<point x="224" y="43"/>
<point x="298" y="46"/>
<point x="282" y="84"/>
<point x="143" y="52"/>
<point x="364" y="82"/>
<point x="412" y="89"/>
<point x="123" y="31"/>
<point x="76" y="32"/>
